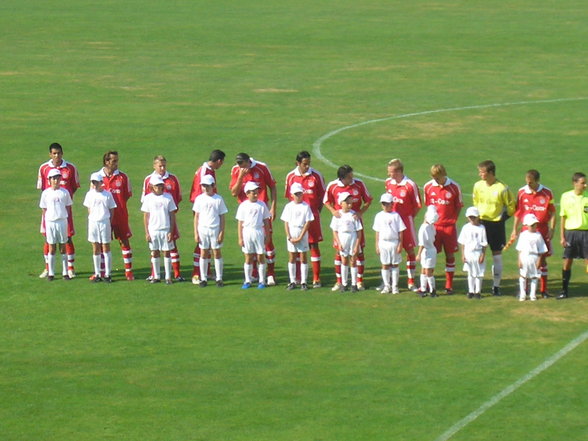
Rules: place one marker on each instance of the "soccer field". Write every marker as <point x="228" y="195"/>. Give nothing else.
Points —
<point x="352" y="82"/>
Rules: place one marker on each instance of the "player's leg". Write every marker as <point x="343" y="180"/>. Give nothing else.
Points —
<point x="196" y="264"/>
<point x="270" y="256"/>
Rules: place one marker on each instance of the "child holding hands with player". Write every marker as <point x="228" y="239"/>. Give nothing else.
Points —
<point x="345" y="233"/>
<point x="531" y="246"/>
<point x="297" y="217"/>
<point x="101" y="205"/>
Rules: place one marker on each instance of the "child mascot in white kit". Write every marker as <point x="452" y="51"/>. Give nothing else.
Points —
<point x="427" y="253"/>
<point x="531" y="246"/>
<point x="473" y="243"/>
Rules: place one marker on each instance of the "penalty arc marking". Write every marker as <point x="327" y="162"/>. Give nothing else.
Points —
<point x="317" y="145"/>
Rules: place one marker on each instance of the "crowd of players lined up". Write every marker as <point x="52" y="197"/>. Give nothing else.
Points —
<point x="346" y="198"/>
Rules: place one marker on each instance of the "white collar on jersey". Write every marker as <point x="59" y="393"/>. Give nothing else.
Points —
<point x="340" y="184"/>
<point x="297" y="172"/>
<point x="165" y="176"/>
<point x="528" y="189"/>
<point x="447" y="182"/>
<point x="103" y="172"/>
<point x="403" y="182"/>
<point x="63" y="164"/>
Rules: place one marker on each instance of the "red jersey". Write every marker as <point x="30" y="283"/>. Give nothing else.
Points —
<point x="539" y="203"/>
<point x="258" y="173"/>
<point x="357" y="189"/>
<point x="70" y="180"/>
<point x="171" y="185"/>
<point x="406" y="197"/>
<point x="314" y="188"/>
<point x="196" y="189"/>
<point x="446" y="199"/>
<point x="119" y="186"/>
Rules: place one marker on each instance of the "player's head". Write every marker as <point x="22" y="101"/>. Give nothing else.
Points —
<point x="532" y="178"/>
<point x="56" y="153"/>
<point x="160" y="164"/>
<point x="486" y="168"/>
<point x="579" y="181"/>
<point x="438" y="173"/>
<point x="303" y="161"/>
<point x="396" y="169"/>
<point x="110" y="160"/>
<point x="216" y="159"/>
<point x="243" y="160"/>
<point x="345" y="174"/>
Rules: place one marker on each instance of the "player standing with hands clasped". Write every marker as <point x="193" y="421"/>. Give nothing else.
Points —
<point x="297" y="217"/>
<point x="389" y="229"/>
<point x="209" y="229"/>
<point x="101" y="205"/>
<point x="54" y="205"/>
<point x="159" y="219"/>
<point x="531" y="248"/>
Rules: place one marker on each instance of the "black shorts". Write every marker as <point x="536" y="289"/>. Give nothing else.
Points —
<point x="577" y="244"/>
<point x="496" y="234"/>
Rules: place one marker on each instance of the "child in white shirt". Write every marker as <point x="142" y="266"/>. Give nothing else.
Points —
<point x="389" y="230"/>
<point x="101" y="205"/>
<point x="473" y="241"/>
<point x="297" y="217"/>
<point x="531" y="246"/>
<point x="427" y="253"/>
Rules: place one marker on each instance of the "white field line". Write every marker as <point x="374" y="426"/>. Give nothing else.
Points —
<point x="317" y="145"/>
<point x="513" y="387"/>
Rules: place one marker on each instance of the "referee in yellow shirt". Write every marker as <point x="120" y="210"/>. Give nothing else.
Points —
<point x="496" y="204"/>
<point x="573" y="212"/>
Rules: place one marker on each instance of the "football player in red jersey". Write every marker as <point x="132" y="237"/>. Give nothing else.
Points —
<point x="171" y="185"/>
<point x="361" y="200"/>
<point x="407" y="203"/>
<point x="246" y="170"/>
<point x="69" y="181"/>
<point x="445" y="195"/>
<point x="534" y="198"/>
<point x="314" y="190"/>
<point x="215" y="161"/>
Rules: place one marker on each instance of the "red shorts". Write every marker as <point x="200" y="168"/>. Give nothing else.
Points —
<point x="120" y="225"/>
<point x="315" y="233"/>
<point x="446" y="238"/>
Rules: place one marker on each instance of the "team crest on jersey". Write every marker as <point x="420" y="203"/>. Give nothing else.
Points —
<point x="402" y="193"/>
<point x="168" y="187"/>
<point x="541" y="201"/>
<point x="311" y="183"/>
<point x="118" y="184"/>
<point x="355" y="192"/>
<point x="448" y="195"/>
<point x="65" y="173"/>
<point x="256" y="175"/>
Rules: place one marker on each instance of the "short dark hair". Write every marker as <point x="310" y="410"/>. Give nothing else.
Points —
<point x="302" y="155"/>
<point x="489" y="166"/>
<point x="577" y="176"/>
<point x="343" y="171"/>
<point x="216" y="155"/>
<point x="56" y="146"/>
<point x="534" y="174"/>
<point x="107" y="156"/>
<point x="242" y="157"/>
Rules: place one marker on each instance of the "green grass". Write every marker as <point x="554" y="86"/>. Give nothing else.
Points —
<point x="137" y="362"/>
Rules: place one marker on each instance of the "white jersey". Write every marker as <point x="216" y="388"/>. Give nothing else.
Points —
<point x="297" y="215"/>
<point x="209" y="209"/>
<point x="531" y="243"/>
<point x="159" y="207"/>
<point x="347" y="223"/>
<point x="99" y="204"/>
<point x="55" y="202"/>
<point x="473" y="237"/>
<point x="389" y="225"/>
<point x="426" y="236"/>
<point x="252" y="214"/>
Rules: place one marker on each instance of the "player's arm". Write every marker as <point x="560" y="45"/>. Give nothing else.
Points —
<point x="237" y="181"/>
<point x="462" y="247"/>
<point x="515" y="227"/>
<point x="221" y="231"/>
<point x="196" y="220"/>
<point x="273" y="205"/>
<point x="240" y="233"/>
<point x="520" y="262"/>
<point x="509" y="202"/>
<point x="552" y="221"/>
<point x="400" y="239"/>
<point x="332" y="209"/>
<point x="304" y="231"/>
<point x="562" y="231"/>
<point x="146" y="225"/>
<point x="172" y="224"/>
<point x="336" y="239"/>
<point x="377" y="243"/>
<point x="266" y="230"/>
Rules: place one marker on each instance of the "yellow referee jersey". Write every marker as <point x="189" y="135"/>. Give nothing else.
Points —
<point x="493" y="200"/>
<point x="575" y="209"/>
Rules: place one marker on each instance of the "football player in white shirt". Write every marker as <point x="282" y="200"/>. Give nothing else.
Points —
<point x="159" y="219"/>
<point x="54" y="205"/>
<point x="389" y="229"/>
<point x="209" y="229"/>
<point x="101" y="205"/>
<point x="253" y="226"/>
<point x="345" y="234"/>
<point x="297" y="217"/>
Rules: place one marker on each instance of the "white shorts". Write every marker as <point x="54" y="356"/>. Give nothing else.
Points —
<point x="388" y="254"/>
<point x="56" y="231"/>
<point x="253" y="241"/>
<point x="529" y="268"/>
<point x="348" y="241"/>
<point x="429" y="258"/>
<point x="299" y="247"/>
<point x="99" y="231"/>
<point x="159" y="241"/>
<point x="473" y="265"/>
<point x="209" y="238"/>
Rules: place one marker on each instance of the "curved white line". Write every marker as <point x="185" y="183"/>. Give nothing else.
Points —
<point x="316" y="146"/>
<point x="510" y="389"/>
